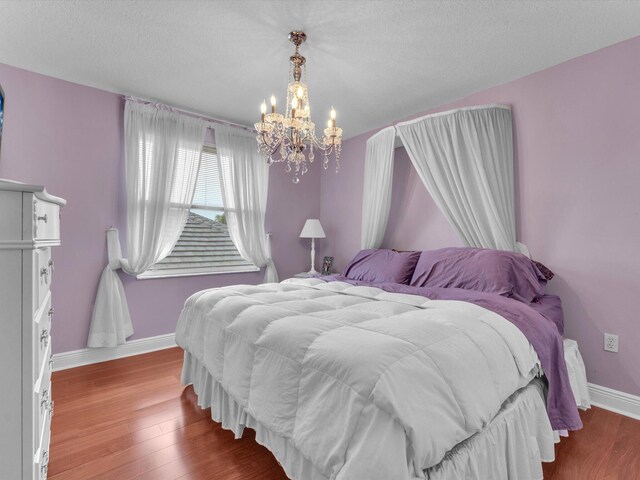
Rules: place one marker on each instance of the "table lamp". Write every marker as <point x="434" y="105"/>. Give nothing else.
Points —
<point x="312" y="229"/>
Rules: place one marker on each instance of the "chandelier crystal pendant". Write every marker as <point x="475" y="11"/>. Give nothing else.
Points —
<point x="291" y="138"/>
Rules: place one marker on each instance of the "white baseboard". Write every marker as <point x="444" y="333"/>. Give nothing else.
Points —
<point x="615" y="401"/>
<point x="87" y="356"/>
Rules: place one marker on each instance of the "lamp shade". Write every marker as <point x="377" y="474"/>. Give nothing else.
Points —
<point x="312" y="229"/>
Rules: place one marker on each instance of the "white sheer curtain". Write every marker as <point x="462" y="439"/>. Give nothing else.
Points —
<point x="162" y="157"/>
<point x="245" y="183"/>
<point x="465" y="160"/>
<point x="378" y="177"/>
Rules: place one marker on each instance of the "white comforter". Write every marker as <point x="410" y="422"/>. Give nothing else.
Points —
<point x="365" y="384"/>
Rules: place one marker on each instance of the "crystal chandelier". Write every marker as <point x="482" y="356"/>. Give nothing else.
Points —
<point x="291" y="138"/>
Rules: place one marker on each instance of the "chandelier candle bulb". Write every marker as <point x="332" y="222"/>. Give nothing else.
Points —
<point x="273" y="104"/>
<point x="263" y="110"/>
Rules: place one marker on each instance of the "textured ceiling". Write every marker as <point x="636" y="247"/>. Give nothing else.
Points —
<point x="376" y="61"/>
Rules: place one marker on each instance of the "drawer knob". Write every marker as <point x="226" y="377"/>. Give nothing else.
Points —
<point x="51" y="265"/>
<point x="43" y="218"/>
<point x="51" y="312"/>
<point x="45" y="399"/>
<point x="44" y="337"/>
<point x="44" y="272"/>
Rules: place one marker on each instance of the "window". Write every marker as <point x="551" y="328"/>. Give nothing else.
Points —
<point x="204" y="247"/>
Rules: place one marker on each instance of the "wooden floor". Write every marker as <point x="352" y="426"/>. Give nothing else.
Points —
<point x="132" y="419"/>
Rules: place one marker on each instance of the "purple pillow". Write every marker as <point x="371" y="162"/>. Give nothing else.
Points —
<point x="494" y="271"/>
<point x="382" y="266"/>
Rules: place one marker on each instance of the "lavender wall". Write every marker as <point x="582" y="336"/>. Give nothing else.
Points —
<point x="577" y="148"/>
<point x="69" y="138"/>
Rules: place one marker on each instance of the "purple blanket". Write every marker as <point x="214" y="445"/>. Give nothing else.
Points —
<point x="540" y="330"/>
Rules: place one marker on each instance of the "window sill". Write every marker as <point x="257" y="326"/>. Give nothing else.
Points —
<point x="192" y="272"/>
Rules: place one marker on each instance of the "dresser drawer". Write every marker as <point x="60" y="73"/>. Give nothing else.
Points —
<point x="41" y="341"/>
<point x="42" y="403"/>
<point x="41" y="456"/>
<point x="42" y="275"/>
<point x="46" y="220"/>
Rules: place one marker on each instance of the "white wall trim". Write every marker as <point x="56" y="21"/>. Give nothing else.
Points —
<point x="87" y="356"/>
<point x="195" y="271"/>
<point x="615" y="401"/>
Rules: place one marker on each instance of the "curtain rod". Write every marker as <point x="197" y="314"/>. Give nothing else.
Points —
<point x="186" y="112"/>
<point x="456" y="110"/>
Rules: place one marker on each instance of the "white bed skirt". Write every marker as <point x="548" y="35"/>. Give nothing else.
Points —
<point x="511" y="447"/>
<point x="577" y="374"/>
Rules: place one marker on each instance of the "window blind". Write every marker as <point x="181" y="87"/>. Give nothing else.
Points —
<point x="208" y="194"/>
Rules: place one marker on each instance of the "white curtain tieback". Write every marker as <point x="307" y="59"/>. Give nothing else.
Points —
<point x="113" y="248"/>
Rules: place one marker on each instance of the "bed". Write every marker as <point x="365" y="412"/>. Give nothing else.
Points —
<point x="344" y="378"/>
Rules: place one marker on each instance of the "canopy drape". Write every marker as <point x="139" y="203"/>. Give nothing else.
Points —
<point x="244" y="183"/>
<point x="378" y="177"/>
<point x="465" y="160"/>
<point x="162" y="157"/>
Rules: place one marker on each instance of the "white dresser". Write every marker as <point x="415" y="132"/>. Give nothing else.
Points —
<point x="29" y="227"/>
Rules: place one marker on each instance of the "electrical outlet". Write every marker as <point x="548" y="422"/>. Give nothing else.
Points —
<point x="611" y="342"/>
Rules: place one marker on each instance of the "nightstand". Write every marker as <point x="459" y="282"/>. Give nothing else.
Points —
<point x="303" y="275"/>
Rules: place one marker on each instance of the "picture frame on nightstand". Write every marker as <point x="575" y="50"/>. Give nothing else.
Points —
<point x="327" y="265"/>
